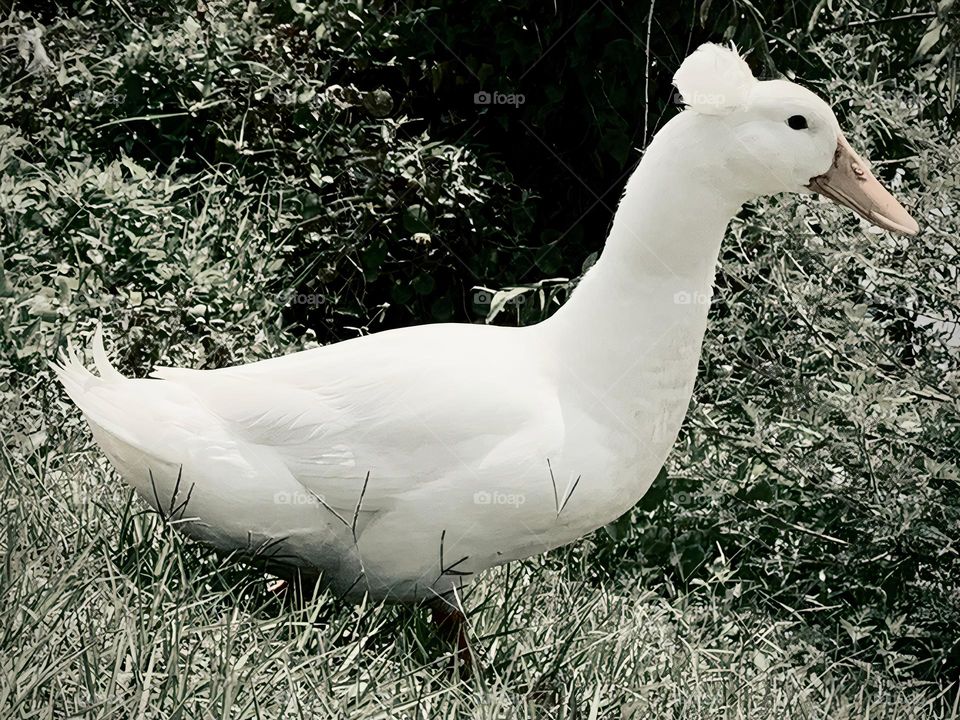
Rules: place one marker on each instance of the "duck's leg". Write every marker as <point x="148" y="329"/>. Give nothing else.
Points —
<point x="294" y="589"/>
<point x="452" y="625"/>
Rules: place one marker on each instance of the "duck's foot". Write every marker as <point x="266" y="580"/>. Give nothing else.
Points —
<point x="295" y="591"/>
<point x="451" y="624"/>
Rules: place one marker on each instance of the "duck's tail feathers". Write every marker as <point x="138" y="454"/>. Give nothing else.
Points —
<point x="77" y="380"/>
<point x="121" y="413"/>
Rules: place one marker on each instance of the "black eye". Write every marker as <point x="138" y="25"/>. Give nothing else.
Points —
<point x="797" y="122"/>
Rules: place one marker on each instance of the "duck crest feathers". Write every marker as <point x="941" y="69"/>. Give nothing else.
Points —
<point x="714" y="80"/>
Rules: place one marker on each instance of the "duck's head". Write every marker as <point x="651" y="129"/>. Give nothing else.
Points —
<point x="782" y="137"/>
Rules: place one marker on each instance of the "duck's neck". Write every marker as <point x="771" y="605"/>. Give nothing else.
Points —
<point x="638" y="316"/>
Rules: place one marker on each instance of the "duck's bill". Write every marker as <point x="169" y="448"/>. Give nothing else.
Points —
<point x="850" y="183"/>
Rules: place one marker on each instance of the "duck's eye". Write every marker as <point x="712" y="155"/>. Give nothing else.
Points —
<point x="797" y="122"/>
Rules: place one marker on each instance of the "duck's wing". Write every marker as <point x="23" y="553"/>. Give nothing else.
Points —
<point x="437" y="404"/>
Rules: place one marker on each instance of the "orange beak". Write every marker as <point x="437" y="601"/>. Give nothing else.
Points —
<point x="850" y="183"/>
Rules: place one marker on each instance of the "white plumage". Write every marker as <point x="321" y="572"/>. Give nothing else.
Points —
<point x="714" y="80"/>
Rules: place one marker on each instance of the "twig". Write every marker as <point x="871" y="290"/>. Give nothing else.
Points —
<point x="646" y="77"/>
<point x="450" y="570"/>
<point x="569" y="495"/>
<point x="553" y="480"/>
<point x="880" y="21"/>
<point x="356" y="512"/>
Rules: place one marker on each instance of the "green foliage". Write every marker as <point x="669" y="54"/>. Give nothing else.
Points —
<point x="229" y="184"/>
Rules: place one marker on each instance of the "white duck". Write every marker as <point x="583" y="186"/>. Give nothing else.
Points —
<point x="402" y="464"/>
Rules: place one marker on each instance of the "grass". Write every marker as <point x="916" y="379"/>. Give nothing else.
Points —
<point x="110" y="613"/>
